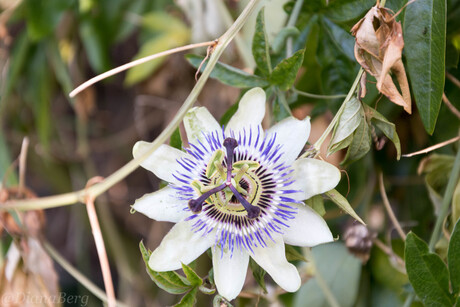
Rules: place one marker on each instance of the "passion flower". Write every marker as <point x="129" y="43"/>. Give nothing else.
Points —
<point x="238" y="191"/>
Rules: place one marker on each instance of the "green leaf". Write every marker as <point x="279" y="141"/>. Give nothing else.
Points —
<point x="360" y="144"/>
<point x="453" y="259"/>
<point x="293" y="255"/>
<point x="189" y="299"/>
<point x="171" y="282"/>
<point x="258" y="274"/>
<point x="317" y="203"/>
<point x="285" y="73"/>
<point x="425" y="47"/>
<point x="192" y="277"/>
<point x="220" y="301"/>
<point x="340" y="272"/>
<point x="60" y="68"/>
<point x="427" y="273"/>
<point x="456" y="204"/>
<point x="159" y="21"/>
<point x="96" y="46"/>
<point x="349" y="120"/>
<point x="175" y="140"/>
<point x="343" y="203"/>
<point x="388" y="128"/>
<point x="19" y="57"/>
<point x="42" y="17"/>
<point x="157" y="44"/>
<point x="228" y="74"/>
<point x="260" y="45"/>
<point x="5" y="162"/>
<point x="342" y="39"/>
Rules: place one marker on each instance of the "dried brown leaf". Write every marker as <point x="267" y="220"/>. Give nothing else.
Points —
<point x="378" y="49"/>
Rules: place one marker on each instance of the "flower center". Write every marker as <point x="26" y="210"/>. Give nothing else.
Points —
<point x="232" y="189"/>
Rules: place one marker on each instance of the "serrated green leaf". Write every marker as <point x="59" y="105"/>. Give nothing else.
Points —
<point x="157" y="44"/>
<point x="348" y="122"/>
<point x="425" y="47"/>
<point x="171" y="282"/>
<point x="343" y="203"/>
<point x="258" y="274"/>
<point x="388" y="128"/>
<point x="360" y="144"/>
<point x="293" y="255"/>
<point x="192" y="277"/>
<point x="189" y="299"/>
<point x="427" y="273"/>
<point x="453" y="259"/>
<point x="228" y="74"/>
<point x="260" y="45"/>
<point x="284" y="74"/>
<point x="317" y="203"/>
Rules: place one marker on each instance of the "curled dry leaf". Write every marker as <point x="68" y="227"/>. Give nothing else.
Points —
<point x="378" y="48"/>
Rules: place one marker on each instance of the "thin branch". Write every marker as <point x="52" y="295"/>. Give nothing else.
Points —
<point x="450" y="105"/>
<point x="388" y="208"/>
<point x="454" y="80"/>
<point x="389" y="251"/>
<point x="100" y="246"/>
<point x="23" y="164"/>
<point x="135" y="63"/>
<point x="117" y="176"/>
<point x="82" y="279"/>
<point x="301" y="93"/>
<point x="434" y="147"/>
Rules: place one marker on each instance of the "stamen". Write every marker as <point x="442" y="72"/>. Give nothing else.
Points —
<point x="253" y="211"/>
<point x="196" y="205"/>
<point x="230" y="144"/>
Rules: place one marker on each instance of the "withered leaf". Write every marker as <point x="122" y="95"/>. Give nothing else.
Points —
<point x="378" y="48"/>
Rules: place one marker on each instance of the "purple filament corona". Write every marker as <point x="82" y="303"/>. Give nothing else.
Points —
<point x="266" y="213"/>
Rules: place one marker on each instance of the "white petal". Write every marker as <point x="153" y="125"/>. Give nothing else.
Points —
<point x="162" y="205"/>
<point x="229" y="271"/>
<point x="292" y="134"/>
<point x="307" y="229"/>
<point x="273" y="260"/>
<point x="313" y="177"/>
<point x="162" y="162"/>
<point x="251" y="111"/>
<point x="180" y="245"/>
<point x="198" y="121"/>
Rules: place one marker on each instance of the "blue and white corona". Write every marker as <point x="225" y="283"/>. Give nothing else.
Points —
<point x="238" y="190"/>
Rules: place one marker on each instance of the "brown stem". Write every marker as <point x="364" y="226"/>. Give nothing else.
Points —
<point x="388" y="208"/>
<point x="100" y="246"/>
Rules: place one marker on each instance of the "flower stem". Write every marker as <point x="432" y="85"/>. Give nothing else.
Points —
<point x="301" y="93"/>
<point x="291" y="23"/>
<point x="390" y="212"/>
<point x="320" y="141"/>
<point x="83" y="280"/>
<point x="117" y="176"/>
